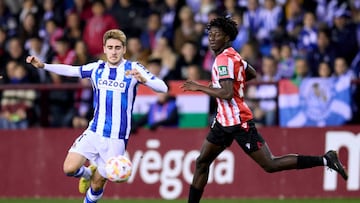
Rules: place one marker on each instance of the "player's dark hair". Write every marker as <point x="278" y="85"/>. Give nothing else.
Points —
<point x="226" y="24"/>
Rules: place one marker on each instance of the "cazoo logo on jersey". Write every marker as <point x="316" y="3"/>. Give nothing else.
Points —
<point x="336" y="140"/>
<point x="111" y="84"/>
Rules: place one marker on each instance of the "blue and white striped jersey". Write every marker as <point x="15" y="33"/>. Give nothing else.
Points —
<point x="114" y="91"/>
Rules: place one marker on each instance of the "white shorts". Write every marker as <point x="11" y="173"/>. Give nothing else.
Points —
<point x="97" y="149"/>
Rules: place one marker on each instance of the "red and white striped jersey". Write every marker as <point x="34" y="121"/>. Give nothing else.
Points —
<point x="229" y="65"/>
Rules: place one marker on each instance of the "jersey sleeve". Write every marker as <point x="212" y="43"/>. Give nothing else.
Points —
<point x="152" y="81"/>
<point x="143" y="71"/>
<point x="63" y="69"/>
<point x="224" y="67"/>
<point x="86" y="70"/>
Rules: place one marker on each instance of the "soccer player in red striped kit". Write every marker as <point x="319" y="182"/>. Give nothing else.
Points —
<point x="234" y="119"/>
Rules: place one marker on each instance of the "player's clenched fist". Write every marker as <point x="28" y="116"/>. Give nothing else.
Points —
<point x="138" y="76"/>
<point x="35" y="61"/>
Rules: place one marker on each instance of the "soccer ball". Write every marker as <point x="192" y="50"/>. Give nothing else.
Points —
<point x="118" y="169"/>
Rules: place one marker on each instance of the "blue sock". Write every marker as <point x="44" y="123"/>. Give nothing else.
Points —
<point x="78" y="173"/>
<point x="92" y="196"/>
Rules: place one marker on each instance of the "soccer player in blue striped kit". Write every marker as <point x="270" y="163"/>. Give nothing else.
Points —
<point x="114" y="84"/>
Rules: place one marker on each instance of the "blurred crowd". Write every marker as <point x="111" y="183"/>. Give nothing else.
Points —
<point x="281" y="38"/>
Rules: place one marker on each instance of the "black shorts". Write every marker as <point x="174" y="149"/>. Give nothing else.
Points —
<point x="246" y="135"/>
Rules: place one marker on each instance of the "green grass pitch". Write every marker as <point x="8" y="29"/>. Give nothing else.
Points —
<point x="184" y="201"/>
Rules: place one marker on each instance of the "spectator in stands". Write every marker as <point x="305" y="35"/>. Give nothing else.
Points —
<point x="162" y="113"/>
<point x="270" y="17"/>
<point x="356" y="21"/>
<point x="28" y="6"/>
<point x="194" y="5"/>
<point x="250" y="53"/>
<point x="308" y="34"/>
<point x="206" y="7"/>
<point x="302" y="70"/>
<point x="186" y="30"/>
<point x="82" y="8"/>
<point x="16" y="105"/>
<point x="8" y="72"/>
<point x="52" y="33"/>
<point x="28" y="28"/>
<point x="154" y="31"/>
<point x="170" y="17"/>
<point x="3" y="38"/>
<point x="189" y="55"/>
<point x="327" y="10"/>
<point x="8" y="21"/>
<point x="52" y="10"/>
<point x="153" y="5"/>
<point x="110" y="6"/>
<point x="266" y="93"/>
<point x="136" y="51"/>
<point x="124" y="12"/>
<point x="154" y="65"/>
<point x="341" y="68"/>
<point x="294" y="14"/>
<point x="96" y="26"/>
<point x="355" y="65"/>
<point x="343" y="72"/>
<point x="324" y="70"/>
<point x="73" y="29"/>
<point x="42" y="50"/>
<point x="64" y="53"/>
<point x="15" y="51"/>
<point x="286" y="64"/>
<point x="194" y="72"/>
<point x="81" y="54"/>
<point x="83" y="97"/>
<point x="343" y="35"/>
<point x="275" y="52"/>
<point x="231" y="7"/>
<point x="251" y="17"/>
<point x="164" y="52"/>
<point x="323" y="51"/>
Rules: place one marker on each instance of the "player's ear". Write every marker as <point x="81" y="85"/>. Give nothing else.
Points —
<point x="227" y="38"/>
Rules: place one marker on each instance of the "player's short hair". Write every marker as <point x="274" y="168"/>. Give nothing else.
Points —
<point x="115" y="34"/>
<point x="226" y="24"/>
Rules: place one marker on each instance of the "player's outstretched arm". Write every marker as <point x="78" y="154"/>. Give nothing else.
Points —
<point x="60" y="69"/>
<point x="157" y="85"/>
